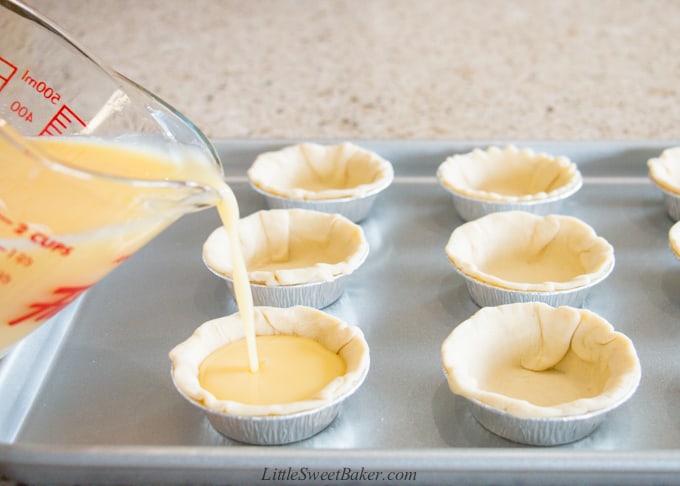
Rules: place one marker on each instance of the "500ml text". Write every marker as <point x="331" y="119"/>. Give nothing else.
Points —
<point x="48" y="92"/>
<point x="344" y="474"/>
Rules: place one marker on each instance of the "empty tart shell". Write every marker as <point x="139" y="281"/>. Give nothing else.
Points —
<point x="522" y="251"/>
<point x="343" y="178"/>
<point x="664" y="171"/>
<point x="495" y="179"/>
<point x="674" y="239"/>
<point x="293" y="256"/>
<point x="290" y="247"/>
<point x="540" y="374"/>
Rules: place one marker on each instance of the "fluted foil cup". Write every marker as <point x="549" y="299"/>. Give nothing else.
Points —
<point x="538" y="431"/>
<point x="278" y="423"/>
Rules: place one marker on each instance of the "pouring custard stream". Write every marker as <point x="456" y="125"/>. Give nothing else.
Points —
<point x="72" y="210"/>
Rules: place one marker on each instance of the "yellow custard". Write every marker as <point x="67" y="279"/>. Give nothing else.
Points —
<point x="291" y="368"/>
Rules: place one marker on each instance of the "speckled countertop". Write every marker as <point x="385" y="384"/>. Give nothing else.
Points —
<point x="395" y="69"/>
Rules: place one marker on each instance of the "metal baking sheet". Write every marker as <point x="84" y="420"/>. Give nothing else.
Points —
<point x="88" y="398"/>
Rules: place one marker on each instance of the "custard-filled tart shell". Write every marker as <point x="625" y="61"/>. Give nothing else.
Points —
<point x="335" y="335"/>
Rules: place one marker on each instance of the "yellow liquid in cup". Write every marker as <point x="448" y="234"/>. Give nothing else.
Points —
<point x="61" y="232"/>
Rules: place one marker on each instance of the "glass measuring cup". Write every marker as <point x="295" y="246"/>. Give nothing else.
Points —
<point x="92" y="166"/>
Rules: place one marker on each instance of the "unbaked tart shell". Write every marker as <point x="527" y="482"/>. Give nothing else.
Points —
<point x="533" y="360"/>
<point x="664" y="171"/>
<point x="674" y="239"/>
<point x="283" y="247"/>
<point x="509" y="175"/>
<point x="311" y="171"/>
<point x="521" y="251"/>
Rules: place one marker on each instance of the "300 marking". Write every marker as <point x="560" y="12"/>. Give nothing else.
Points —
<point x="21" y="110"/>
<point x="20" y="258"/>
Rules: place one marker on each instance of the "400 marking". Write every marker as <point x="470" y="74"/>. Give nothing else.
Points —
<point x="22" y="111"/>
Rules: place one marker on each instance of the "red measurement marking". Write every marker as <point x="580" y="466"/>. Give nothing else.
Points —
<point x="44" y="310"/>
<point x="7" y="70"/>
<point x="19" y="258"/>
<point x="121" y="259"/>
<point x="43" y="240"/>
<point x="61" y="121"/>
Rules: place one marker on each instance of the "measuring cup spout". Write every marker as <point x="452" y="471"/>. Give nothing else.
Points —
<point x="183" y="180"/>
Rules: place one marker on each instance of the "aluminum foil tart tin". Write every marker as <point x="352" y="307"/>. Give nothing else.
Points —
<point x="280" y="423"/>
<point x="469" y="208"/>
<point x="671" y="202"/>
<point x="271" y="429"/>
<point x="539" y="431"/>
<point x="486" y="181"/>
<point x="315" y="294"/>
<point x="355" y="209"/>
<point x="486" y="295"/>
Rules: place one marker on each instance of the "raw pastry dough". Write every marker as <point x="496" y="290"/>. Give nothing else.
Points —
<point x="509" y="175"/>
<point x="317" y="172"/>
<point x="674" y="238"/>
<point x="534" y="360"/>
<point x="332" y="333"/>
<point x="665" y="170"/>
<point x="290" y="247"/>
<point x="522" y="251"/>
